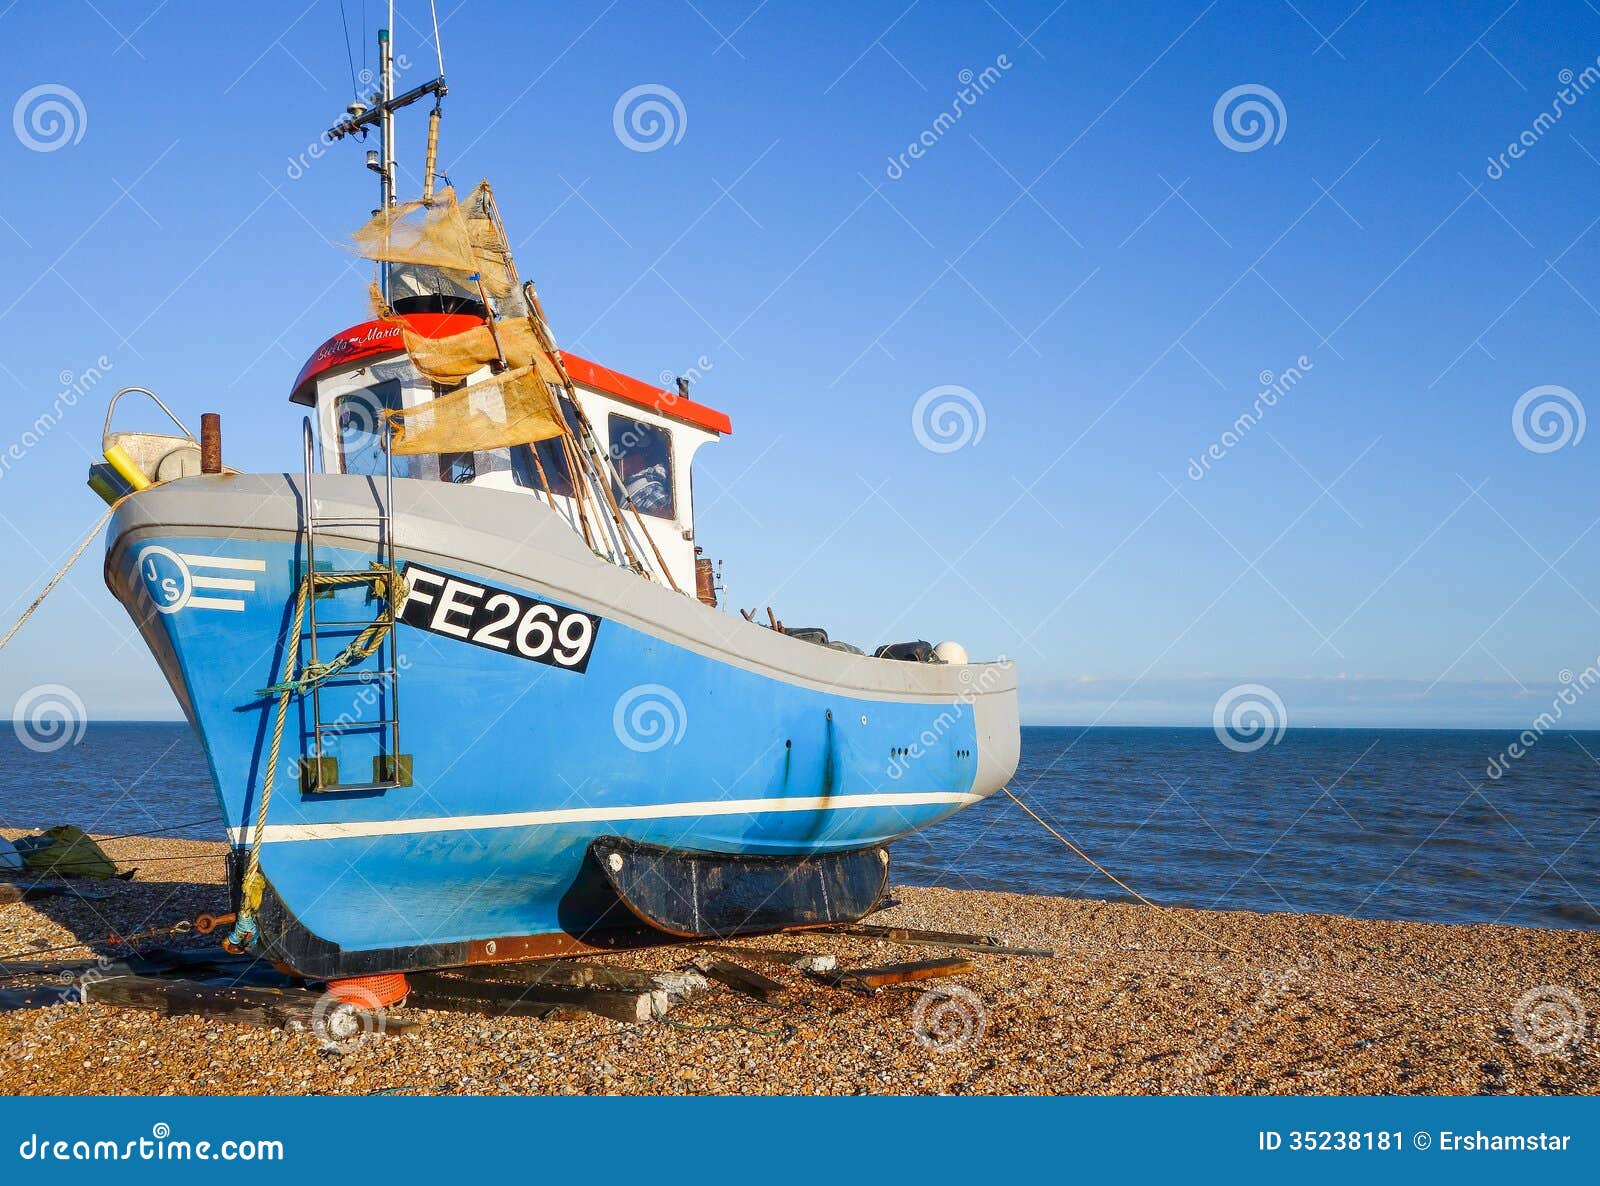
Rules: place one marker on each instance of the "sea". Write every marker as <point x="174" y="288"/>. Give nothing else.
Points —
<point x="1369" y="823"/>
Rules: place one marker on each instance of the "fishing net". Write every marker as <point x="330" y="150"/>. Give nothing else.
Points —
<point x="419" y="233"/>
<point x="513" y="408"/>
<point x="463" y="238"/>
<point x="491" y="253"/>
<point x="449" y="360"/>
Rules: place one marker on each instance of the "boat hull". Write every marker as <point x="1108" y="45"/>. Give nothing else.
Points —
<point x="681" y="727"/>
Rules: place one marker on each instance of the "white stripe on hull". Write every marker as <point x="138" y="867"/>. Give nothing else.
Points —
<point x="282" y="833"/>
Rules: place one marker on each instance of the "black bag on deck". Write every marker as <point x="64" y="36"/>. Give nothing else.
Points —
<point x="920" y="651"/>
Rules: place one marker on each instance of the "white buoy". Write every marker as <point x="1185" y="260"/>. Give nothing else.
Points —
<point x="951" y="652"/>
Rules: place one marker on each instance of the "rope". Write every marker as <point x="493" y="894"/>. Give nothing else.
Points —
<point x="1117" y="881"/>
<point x="62" y="571"/>
<point x="363" y="646"/>
<point x="386" y="583"/>
<point x="214" y="819"/>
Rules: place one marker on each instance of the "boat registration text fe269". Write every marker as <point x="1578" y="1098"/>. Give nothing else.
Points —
<point x="498" y="619"/>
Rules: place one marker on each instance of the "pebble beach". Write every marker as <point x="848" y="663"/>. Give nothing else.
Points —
<point x="1134" y="1000"/>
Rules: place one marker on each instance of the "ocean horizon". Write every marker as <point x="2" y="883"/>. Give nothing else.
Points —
<point x="1369" y="823"/>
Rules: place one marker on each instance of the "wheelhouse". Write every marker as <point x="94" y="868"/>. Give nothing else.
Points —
<point x="650" y="434"/>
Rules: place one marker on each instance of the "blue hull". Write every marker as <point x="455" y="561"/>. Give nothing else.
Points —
<point x="516" y="766"/>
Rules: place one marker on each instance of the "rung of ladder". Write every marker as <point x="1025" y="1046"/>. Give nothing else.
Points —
<point x="365" y="677"/>
<point x="340" y="788"/>
<point x="348" y="726"/>
<point x="349" y="520"/>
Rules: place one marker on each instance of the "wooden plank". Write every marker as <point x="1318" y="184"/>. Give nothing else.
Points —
<point x="804" y="961"/>
<point x="569" y="973"/>
<point x="872" y="979"/>
<point x="743" y="980"/>
<point x="433" y="990"/>
<point x="272" y="1007"/>
<point x="269" y="1008"/>
<point x="982" y="944"/>
<point x="154" y="962"/>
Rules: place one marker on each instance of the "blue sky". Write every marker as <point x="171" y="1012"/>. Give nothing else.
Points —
<point x="1083" y="257"/>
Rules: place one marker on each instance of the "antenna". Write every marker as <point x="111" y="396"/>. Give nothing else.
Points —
<point x="361" y="119"/>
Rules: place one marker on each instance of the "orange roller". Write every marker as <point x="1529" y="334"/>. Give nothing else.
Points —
<point x="371" y="992"/>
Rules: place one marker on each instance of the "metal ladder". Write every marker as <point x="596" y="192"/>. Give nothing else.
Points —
<point x="390" y="769"/>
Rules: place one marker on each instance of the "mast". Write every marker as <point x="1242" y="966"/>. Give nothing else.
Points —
<point x="386" y="137"/>
<point x="362" y="119"/>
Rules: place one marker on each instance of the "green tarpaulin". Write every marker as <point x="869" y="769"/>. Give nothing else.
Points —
<point x="66" y="851"/>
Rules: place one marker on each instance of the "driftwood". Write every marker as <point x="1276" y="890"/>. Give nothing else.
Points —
<point x="872" y="979"/>
<point x="804" y="961"/>
<point x="743" y="980"/>
<point x="569" y="973"/>
<point x="982" y="944"/>
<point x="433" y="990"/>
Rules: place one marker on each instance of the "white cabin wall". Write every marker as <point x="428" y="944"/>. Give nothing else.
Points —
<point x="667" y="534"/>
<point x="673" y="537"/>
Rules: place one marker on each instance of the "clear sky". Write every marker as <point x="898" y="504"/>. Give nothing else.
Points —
<point x="1097" y="263"/>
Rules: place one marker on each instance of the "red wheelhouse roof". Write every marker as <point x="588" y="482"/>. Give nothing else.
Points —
<point x="372" y="338"/>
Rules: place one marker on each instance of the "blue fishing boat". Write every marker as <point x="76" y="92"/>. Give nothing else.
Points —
<point x="461" y="674"/>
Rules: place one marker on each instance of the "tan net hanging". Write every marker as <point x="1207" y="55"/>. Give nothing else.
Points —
<point x="459" y="237"/>
<point x="513" y="408"/>
<point x="434" y="235"/>
<point x="491" y="253"/>
<point x="449" y="360"/>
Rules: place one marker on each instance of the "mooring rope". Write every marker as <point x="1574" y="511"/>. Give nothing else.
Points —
<point x="386" y="583"/>
<point x="1117" y="881"/>
<point x="63" y="570"/>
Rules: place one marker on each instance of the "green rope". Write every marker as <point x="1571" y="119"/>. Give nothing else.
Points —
<point x="363" y="646"/>
<point x="386" y="583"/>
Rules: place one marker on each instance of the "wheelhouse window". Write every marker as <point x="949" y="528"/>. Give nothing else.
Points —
<point x="550" y="457"/>
<point x="642" y="455"/>
<point x="358" y="416"/>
